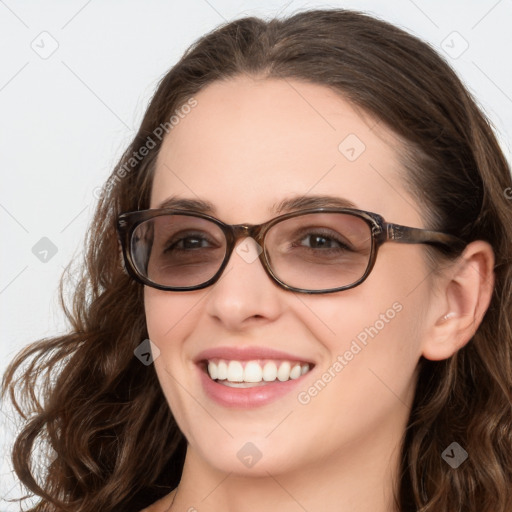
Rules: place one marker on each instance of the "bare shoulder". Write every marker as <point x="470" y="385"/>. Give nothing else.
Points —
<point x="162" y="505"/>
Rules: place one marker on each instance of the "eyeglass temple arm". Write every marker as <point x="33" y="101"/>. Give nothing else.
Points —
<point x="407" y="235"/>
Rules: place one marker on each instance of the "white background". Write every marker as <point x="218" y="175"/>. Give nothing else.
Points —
<point x="65" y="119"/>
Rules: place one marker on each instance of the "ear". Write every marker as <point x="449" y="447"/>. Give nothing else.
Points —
<point x="463" y="295"/>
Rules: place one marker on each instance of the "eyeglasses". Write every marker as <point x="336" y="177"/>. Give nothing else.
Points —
<point x="321" y="250"/>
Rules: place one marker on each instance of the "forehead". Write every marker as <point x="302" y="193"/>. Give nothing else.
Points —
<point x="251" y="143"/>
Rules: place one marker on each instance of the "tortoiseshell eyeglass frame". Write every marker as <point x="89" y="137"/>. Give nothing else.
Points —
<point x="381" y="232"/>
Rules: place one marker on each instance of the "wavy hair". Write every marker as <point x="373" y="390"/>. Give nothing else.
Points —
<point x="101" y="420"/>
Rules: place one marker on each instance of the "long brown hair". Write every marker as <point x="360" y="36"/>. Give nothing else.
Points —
<point x="101" y="416"/>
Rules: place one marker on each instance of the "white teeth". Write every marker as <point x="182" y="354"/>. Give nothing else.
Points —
<point x="284" y="371"/>
<point x="213" y="370"/>
<point x="235" y="371"/>
<point x="222" y="370"/>
<point x="295" y="372"/>
<point x="253" y="372"/>
<point x="270" y="372"/>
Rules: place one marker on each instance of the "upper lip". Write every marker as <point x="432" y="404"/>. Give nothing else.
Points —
<point x="246" y="354"/>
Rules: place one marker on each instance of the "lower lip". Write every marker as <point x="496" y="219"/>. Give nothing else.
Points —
<point x="246" y="398"/>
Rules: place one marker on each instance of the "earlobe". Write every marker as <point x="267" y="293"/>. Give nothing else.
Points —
<point x="462" y="300"/>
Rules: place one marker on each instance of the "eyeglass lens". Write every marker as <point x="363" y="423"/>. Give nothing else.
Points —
<point x="313" y="251"/>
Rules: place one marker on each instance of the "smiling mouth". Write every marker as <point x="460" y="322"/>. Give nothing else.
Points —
<point x="258" y="372"/>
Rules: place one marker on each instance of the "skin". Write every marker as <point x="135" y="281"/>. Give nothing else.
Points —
<point x="339" y="452"/>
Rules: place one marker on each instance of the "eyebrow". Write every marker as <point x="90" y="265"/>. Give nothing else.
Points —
<point x="286" y="205"/>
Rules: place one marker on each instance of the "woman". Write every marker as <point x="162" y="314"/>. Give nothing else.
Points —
<point x="350" y="352"/>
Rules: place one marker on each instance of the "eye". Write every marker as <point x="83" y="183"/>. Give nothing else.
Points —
<point x="317" y="241"/>
<point x="188" y="241"/>
<point x="321" y="239"/>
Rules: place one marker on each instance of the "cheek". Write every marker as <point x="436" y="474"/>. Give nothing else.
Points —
<point x="367" y="381"/>
<point x="376" y="328"/>
<point x="361" y="335"/>
<point x="169" y="315"/>
<point x="170" y="319"/>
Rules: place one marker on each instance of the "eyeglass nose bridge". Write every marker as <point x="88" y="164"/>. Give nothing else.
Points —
<point x="236" y="232"/>
<point x="239" y="231"/>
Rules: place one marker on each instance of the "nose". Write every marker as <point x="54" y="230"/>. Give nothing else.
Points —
<point x="244" y="291"/>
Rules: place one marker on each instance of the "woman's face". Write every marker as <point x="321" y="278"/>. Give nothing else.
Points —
<point x="247" y="146"/>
